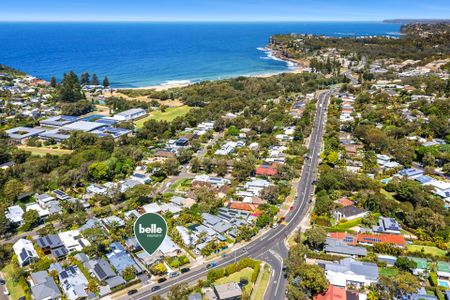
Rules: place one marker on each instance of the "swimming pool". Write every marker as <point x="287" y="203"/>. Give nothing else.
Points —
<point x="443" y="283"/>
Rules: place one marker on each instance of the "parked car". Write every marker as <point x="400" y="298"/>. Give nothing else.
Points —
<point x="155" y="288"/>
<point x="184" y="270"/>
<point x="2" y="282"/>
<point x="132" y="292"/>
<point x="211" y="265"/>
<point x="174" y="274"/>
<point x="162" y="279"/>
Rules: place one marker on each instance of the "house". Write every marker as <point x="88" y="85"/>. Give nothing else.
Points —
<point x="187" y="236"/>
<point x="421" y="265"/>
<point x="343" y="202"/>
<point x="120" y="259"/>
<point x="228" y="291"/>
<point x="52" y="244"/>
<point x="369" y="239"/>
<point x="103" y="271"/>
<point x="143" y="179"/>
<point x="97" y="189"/>
<point x="267" y="170"/>
<point x="113" y="221"/>
<point x="411" y="173"/>
<point x="73" y="241"/>
<point x="42" y="211"/>
<point x="387" y="225"/>
<point x="132" y="244"/>
<point x="22" y="134"/>
<point x="386" y="162"/>
<point x="349" y="272"/>
<point x="256" y="186"/>
<point x="25" y="252"/>
<point x="169" y="248"/>
<point x="443" y="270"/>
<point x="336" y="293"/>
<point x="58" y="121"/>
<point x="44" y="287"/>
<point x="183" y="202"/>
<point x="15" y="214"/>
<point x="73" y="283"/>
<point x="349" y="213"/>
<point x="130" y="115"/>
<point x="217" y="182"/>
<point x="339" y="247"/>
<point x="441" y="188"/>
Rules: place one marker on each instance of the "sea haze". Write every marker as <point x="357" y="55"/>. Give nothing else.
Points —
<point x="144" y="54"/>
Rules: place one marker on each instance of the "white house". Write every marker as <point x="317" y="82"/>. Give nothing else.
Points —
<point x="130" y="115"/>
<point x="25" y="252"/>
<point x="14" y="214"/>
<point x="73" y="240"/>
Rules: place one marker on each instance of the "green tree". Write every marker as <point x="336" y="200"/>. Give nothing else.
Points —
<point x="315" y="237"/>
<point x="84" y="78"/>
<point x="312" y="279"/>
<point x="271" y="194"/>
<point x="405" y="264"/>
<point x="30" y="219"/>
<point x="70" y="89"/>
<point x="53" y="82"/>
<point x="94" y="80"/>
<point x="106" y="82"/>
<point x="170" y="166"/>
<point x="12" y="190"/>
<point x="129" y="273"/>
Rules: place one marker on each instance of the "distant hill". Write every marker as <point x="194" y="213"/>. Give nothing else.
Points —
<point x="421" y="21"/>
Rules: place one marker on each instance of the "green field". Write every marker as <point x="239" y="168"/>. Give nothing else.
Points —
<point x="236" y="277"/>
<point x="387" y="271"/>
<point x="427" y="249"/>
<point x="15" y="289"/>
<point x="168" y="115"/>
<point x="42" y="151"/>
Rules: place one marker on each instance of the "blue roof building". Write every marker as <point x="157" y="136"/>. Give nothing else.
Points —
<point x="120" y="259"/>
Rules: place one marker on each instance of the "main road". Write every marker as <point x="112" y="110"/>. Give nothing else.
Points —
<point x="270" y="247"/>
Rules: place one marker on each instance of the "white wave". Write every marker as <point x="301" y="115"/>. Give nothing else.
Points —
<point x="176" y="82"/>
<point x="271" y="56"/>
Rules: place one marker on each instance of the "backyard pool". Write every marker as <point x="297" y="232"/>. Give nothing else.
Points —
<point x="443" y="283"/>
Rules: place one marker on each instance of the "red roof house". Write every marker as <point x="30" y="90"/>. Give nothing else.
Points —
<point x="267" y="170"/>
<point x="333" y="293"/>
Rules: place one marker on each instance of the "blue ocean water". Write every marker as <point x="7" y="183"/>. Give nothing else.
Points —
<point x="144" y="54"/>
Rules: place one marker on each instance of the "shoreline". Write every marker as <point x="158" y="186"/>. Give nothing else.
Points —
<point x="293" y="67"/>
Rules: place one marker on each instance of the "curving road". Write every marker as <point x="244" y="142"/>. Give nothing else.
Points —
<point x="270" y="247"/>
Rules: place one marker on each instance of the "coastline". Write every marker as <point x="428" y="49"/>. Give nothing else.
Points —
<point x="294" y="66"/>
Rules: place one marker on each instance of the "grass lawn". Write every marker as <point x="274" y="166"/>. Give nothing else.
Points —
<point x="236" y="277"/>
<point x="389" y="195"/>
<point x="15" y="290"/>
<point x="387" y="271"/>
<point x="427" y="249"/>
<point x="181" y="185"/>
<point x="349" y="224"/>
<point x="42" y="151"/>
<point x="261" y="288"/>
<point x="170" y="114"/>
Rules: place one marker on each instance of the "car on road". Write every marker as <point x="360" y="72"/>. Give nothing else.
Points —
<point x="275" y="225"/>
<point x="162" y="279"/>
<point x="224" y="255"/>
<point x="211" y="265"/>
<point x="132" y="292"/>
<point x="174" y="274"/>
<point x="155" y="288"/>
<point x="184" y="270"/>
<point x="291" y="208"/>
<point x="243" y="250"/>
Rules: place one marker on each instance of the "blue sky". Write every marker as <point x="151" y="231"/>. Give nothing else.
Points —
<point x="221" y="10"/>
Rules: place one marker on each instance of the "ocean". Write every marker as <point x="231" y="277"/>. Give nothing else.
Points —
<point x="146" y="54"/>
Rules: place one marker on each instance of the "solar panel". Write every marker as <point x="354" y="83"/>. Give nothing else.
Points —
<point x="98" y="269"/>
<point x="23" y="254"/>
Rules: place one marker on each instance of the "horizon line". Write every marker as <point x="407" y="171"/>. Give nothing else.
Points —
<point x="185" y="21"/>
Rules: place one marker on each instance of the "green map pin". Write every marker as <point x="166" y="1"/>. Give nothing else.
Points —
<point x="150" y="231"/>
